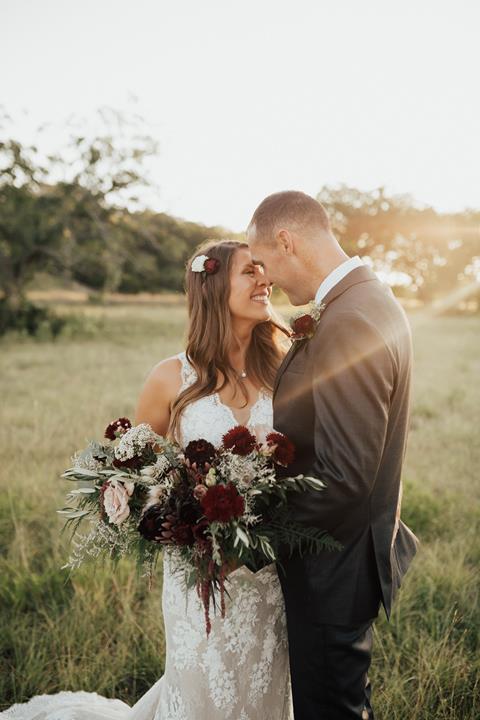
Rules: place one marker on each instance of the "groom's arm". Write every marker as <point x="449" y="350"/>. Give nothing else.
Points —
<point x="353" y="375"/>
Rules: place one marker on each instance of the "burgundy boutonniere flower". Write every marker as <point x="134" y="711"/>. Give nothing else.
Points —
<point x="304" y="326"/>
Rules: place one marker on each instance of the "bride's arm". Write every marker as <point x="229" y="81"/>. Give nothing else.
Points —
<point x="157" y="395"/>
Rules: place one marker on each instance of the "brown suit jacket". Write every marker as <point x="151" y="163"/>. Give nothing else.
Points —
<point x="343" y="398"/>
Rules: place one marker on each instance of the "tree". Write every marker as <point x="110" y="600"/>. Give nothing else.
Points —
<point x="433" y="250"/>
<point x="30" y="224"/>
<point x="59" y="213"/>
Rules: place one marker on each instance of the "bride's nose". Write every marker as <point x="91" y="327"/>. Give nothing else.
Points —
<point x="261" y="277"/>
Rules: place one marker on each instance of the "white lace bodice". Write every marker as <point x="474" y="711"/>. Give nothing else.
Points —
<point x="209" y="418"/>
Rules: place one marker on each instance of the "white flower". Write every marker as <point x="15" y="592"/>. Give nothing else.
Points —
<point x="134" y="441"/>
<point x="115" y="500"/>
<point x="155" y="494"/>
<point x="86" y="462"/>
<point x="198" y="263"/>
<point x="211" y="478"/>
<point x="161" y="465"/>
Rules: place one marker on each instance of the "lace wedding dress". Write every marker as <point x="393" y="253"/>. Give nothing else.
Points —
<point x="241" y="671"/>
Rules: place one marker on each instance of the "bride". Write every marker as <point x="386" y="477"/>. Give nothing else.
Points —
<point x="224" y="378"/>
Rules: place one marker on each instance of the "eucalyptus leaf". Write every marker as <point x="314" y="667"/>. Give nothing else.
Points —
<point x="74" y="513"/>
<point x="243" y="537"/>
<point x="83" y="491"/>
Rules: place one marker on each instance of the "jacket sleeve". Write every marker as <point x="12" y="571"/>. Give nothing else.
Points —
<point x="352" y="375"/>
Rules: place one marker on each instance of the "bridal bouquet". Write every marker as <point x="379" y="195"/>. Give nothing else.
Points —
<point x="215" y="508"/>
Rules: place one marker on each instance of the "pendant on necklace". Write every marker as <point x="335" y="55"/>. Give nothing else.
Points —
<point x="243" y="374"/>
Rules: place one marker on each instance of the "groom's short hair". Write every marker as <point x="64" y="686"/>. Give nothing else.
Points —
<point x="291" y="208"/>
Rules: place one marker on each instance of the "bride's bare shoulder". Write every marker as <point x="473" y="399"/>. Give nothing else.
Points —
<point x="161" y="386"/>
<point x="166" y="376"/>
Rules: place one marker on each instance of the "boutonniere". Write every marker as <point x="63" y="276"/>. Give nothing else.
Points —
<point x="304" y="325"/>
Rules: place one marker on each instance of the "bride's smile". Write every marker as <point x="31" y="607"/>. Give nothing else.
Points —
<point x="250" y="290"/>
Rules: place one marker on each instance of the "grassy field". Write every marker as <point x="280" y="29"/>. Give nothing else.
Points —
<point x="103" y="631"/>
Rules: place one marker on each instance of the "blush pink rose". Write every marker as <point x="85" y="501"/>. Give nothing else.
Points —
<point x="115" y="500"/>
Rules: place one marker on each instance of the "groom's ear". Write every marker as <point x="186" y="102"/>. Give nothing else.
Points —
<point x="285" y="241"/>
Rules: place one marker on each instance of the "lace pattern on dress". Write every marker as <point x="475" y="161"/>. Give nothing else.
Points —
<point x="210" y="418"/>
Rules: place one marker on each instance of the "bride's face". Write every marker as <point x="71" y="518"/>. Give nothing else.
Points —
<point x="249" y="289"/>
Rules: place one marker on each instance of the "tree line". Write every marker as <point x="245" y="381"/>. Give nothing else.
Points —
<point x="73" y="215"/>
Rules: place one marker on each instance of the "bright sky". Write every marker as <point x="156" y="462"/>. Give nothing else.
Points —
<point x="255" y="96"/>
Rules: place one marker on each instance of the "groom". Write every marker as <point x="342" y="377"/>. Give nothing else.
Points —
<point x="342" y="395"/>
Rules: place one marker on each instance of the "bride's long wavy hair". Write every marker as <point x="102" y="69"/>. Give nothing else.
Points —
<point x="210" y="334"/>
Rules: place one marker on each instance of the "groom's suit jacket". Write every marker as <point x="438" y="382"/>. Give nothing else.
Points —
<point x="343" y="398"/>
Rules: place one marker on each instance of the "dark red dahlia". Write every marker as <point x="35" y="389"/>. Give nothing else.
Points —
<point x="303" y="326"/>
<point x="134" y="463"/>
<point x="284" y="452"/>
<point x="117" y="428"/>
<point x="222" y="503"/>
<point x="151" y="523"/>
<point x="200" y="452"/>
<point x="212" y="266"/>
<point x="239" y="440"/>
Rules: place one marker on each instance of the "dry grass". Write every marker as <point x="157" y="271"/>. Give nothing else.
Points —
<point x="103" y="631"/>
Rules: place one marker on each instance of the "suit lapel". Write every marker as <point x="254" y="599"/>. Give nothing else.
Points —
<point x="358" y="275"/>
<point x="286" y="362"/>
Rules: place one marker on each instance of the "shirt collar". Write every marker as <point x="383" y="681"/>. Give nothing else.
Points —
<point x="335" y="276"/>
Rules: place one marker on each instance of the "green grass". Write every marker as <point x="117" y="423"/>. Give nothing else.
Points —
<point x="102" y="631"/>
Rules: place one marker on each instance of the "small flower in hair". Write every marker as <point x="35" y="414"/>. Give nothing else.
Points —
<point x="202" y="263"/>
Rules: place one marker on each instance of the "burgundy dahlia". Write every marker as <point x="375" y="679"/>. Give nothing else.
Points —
<point x="212" y="266"/>
<point x="239" y="440"/>
<point x="134" y="463"/>
<point x="303" y="326"/>
<point x="222" y="503"/>
<point x="284" y="449"/>
<point x="151" y="523"/>
<point x="117" y="428"/>
<point x="200" y="452"/>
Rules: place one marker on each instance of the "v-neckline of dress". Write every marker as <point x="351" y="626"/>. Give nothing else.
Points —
<point x="219" y="401"/>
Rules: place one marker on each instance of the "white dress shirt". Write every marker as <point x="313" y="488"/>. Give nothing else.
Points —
<point x="335" y="276"/>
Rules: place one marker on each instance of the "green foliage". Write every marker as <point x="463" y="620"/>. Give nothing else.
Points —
<point x="76" y="227"/>
<point x="29" y="319"/>
<point x="44" y="324"/>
